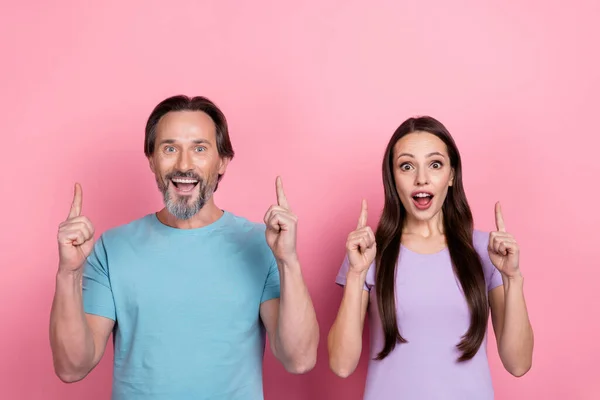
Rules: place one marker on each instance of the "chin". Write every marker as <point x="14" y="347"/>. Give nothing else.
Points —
<point x="421" y="216"/>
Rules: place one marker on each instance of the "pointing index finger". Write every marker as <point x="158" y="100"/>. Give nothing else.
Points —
<point x="77" y="202"/>
<point x="281" y="199"/>
<point x="362" y="220"/>
<point x="499" y="219"/>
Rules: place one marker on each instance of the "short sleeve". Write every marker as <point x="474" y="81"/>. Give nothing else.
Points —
<point x="493" y="279"/>
<point x="341" y="276"/>
<point x="272" y="285"/>
<point x="97" y="293"/>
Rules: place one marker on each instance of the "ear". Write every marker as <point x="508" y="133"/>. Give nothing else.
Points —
<point x="223" y="165"/>
<point x="451" y="177"/>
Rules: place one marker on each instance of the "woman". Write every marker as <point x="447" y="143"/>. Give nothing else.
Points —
<point x="430" y="281"/>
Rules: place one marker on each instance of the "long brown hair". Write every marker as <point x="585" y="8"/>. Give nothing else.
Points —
<point x="458" y="228"/>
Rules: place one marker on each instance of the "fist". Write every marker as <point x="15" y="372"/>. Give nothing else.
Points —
<point x="281" y="227"/>
<point x="75" y="236"/>
<point x="360" y="246"/>
<point x="503" y="248"/>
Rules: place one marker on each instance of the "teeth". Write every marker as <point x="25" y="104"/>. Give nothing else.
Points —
<point x="181" y="180"/>
<point x="422" y="195"/>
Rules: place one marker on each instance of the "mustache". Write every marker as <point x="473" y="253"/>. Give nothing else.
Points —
<point x="181" y="174"/>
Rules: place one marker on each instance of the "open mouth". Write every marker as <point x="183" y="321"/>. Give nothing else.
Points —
<point x="422" y="200"/>
<point x="184" y="185"/>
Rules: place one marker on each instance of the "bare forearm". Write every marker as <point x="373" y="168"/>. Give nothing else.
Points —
<point x="297" y="328"/>
<point x="345" y="337"/>
<point x="70" y="336"/>
<point x="516" y="345"/>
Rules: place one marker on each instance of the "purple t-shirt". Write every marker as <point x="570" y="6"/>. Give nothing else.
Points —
<point x="432" y="316"/>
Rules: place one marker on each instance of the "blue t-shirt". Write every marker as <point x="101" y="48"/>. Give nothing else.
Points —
<point x="186" y="304"/>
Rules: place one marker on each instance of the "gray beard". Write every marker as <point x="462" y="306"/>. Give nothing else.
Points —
<point x="180" y="206"/>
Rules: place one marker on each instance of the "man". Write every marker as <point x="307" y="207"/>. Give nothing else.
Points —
<point x="188" y="291"/>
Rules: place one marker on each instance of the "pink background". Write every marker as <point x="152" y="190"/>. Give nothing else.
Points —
<point x="313" y="90"/>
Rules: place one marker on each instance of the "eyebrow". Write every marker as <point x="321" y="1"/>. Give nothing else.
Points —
<point x="435" y="153"/>
<point x="196" y="141"/>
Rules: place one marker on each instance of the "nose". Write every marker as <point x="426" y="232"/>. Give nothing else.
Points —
<point x="421" y="178"/>
<point x="184" y="161"/>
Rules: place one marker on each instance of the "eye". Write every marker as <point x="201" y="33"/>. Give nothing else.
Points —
<point x="169" y="149"/>
<point x="436" y="165"/>
<point x="200" y="149"/>
<point x="405" y="167"/>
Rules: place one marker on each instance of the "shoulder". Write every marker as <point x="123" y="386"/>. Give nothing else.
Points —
<point x="248" y="237"/>
<point x="244" y="227"/>
<point x="248" y="234"/>
<point x="480" y="241"/>
<point x="114" y="239"/>
<point x="119" y="233"/>
<point x="244" y="224"/>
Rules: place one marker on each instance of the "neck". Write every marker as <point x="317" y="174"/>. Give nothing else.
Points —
<point x="206" y="216"/>
<point x="428" y="228"/>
